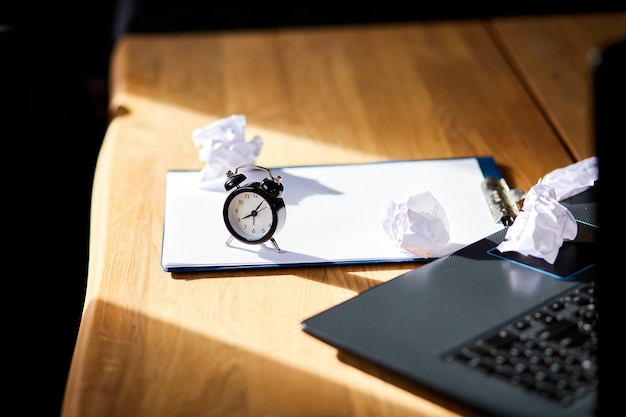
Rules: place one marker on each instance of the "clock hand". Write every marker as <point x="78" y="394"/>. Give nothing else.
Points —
<point x="254" y="212"/>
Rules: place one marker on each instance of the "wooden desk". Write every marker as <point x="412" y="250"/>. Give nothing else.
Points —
<point x="229" y="343"/>
<point x="552" y="56"/>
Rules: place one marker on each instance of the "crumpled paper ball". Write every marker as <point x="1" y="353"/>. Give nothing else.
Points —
<point x="572" y="179"/>
<point x="541" y="227"/>
<point x="223" y="148"/>
<point x="419" y="226"/>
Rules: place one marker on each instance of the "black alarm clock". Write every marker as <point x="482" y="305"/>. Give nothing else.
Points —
<point x="254" y="212"/>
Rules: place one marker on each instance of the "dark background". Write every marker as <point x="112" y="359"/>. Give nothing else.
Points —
<point x="55" y="58"/>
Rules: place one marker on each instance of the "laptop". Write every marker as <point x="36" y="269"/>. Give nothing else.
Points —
<point x="498" y="334"/>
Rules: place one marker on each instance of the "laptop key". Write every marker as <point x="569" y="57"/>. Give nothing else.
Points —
<point x="501" y="339"/>
<point x="555" y="328"/>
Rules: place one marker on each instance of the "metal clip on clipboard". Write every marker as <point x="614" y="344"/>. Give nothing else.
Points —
<point x="503" y="202"/>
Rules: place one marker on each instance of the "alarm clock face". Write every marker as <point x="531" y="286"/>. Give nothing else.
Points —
<point x="250" y="216"/>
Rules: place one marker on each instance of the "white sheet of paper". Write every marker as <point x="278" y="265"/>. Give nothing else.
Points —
<point x="334" y="214"/>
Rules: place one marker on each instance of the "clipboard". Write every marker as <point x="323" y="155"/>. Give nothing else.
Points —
<point x="334" y="214"/>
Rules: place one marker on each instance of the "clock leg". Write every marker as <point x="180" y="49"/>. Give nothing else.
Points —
<point x="230" y="239"/>
<point x="275" y="244"/>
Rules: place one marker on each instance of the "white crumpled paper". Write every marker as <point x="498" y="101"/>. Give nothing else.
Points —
<point x="544" y="224"/>
<point x="419" y="226"/>
<point x="572" y="179"/>
<point x="541" y="226"/>
<point x="223" y="148"/>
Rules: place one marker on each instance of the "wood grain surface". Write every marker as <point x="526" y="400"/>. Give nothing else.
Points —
<point x="553" y="55"/>
<point x="229" y="343"/>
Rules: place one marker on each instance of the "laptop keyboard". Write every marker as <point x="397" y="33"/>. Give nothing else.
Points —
<point x="551" y="351"/>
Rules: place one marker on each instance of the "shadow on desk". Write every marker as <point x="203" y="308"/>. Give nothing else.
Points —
<point x="402" y="382"/>
<point x="350" y="277"/>
<point x="191" y="356"/>
<point x="144" y="16"/>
